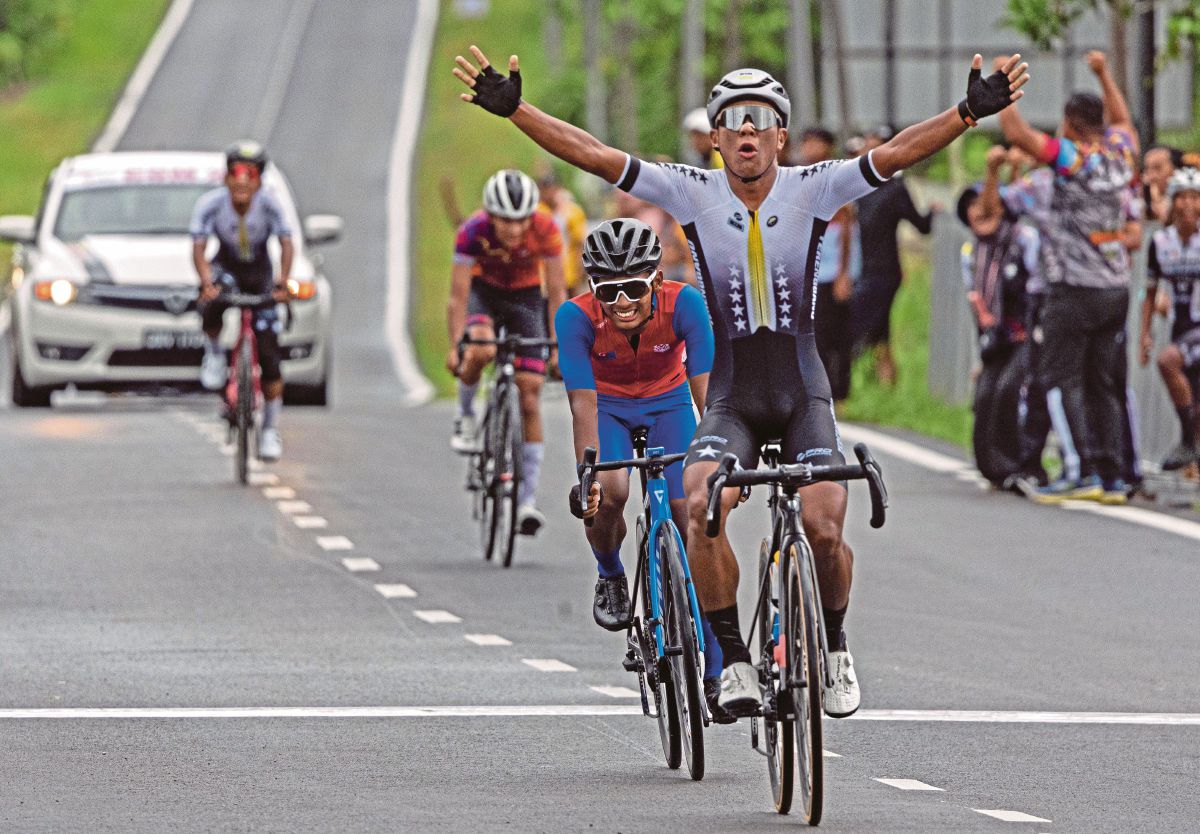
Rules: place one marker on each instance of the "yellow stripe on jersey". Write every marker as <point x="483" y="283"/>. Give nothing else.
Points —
<point x="760" y="293"/>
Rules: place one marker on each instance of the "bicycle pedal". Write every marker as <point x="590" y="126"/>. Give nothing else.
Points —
<point x="630" y="663"/>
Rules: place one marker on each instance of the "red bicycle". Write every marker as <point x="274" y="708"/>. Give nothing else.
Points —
<point x="243" y="390"/>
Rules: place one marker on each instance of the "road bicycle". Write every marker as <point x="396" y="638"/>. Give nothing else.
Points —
<point x="788" y="639"/>
<point x="665" y="643"/>
<point x="243" y="389"/>
<point x="494" y="469"/>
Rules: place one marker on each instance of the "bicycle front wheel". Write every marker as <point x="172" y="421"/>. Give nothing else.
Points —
<point x="679" y="626"/>
<point x="658" y="675"/>
<point x="778" y="733"/>
<point x="514" y="458"/>
<point x="804" y="676"/>
<point x="244" y="421"/>
<point x="485" y="494"/>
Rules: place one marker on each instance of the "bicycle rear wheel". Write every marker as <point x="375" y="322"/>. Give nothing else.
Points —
<point x="778" y="731"/>
<point x="514" y="459"/>
<point x="687" y="689"/>
<point x="244" y="420"/>
<point x="658" y="675"/>
<point x="805" y="677"/>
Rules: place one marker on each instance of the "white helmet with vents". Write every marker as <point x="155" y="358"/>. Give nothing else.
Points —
<point x="748" y="85"/>
<point x="1185" y="179"/>
<point x="510" y="194"/>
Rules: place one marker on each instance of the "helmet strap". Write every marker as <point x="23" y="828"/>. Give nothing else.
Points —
<point x="755" y="178"/>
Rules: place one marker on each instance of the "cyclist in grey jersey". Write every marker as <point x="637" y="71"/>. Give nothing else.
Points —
<point x="755" y="231"/>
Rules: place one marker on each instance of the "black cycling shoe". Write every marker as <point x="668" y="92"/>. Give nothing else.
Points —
<point x="611" y="610"/>
<point x="1181" y="456"/>
<point x="712" y="690"/>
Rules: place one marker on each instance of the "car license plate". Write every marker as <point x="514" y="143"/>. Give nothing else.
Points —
<point x="172" y="339"/>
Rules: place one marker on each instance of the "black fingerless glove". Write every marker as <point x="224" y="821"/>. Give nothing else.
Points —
<point x="496" y="93"/>
<point x="985" y="96"/>
<point x="576" y="502"/>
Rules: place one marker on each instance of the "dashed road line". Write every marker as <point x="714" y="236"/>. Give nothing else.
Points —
<point x="909" y="785"/>
<point x="262" y="478"/>
<point x="488" y="639"/>
<point x="396" y="590"/>
<point x="334" y="542"/>
<point x="616" y="691"/>
<point x="829" y="754"/>
<point x="548" y="665"/>
<point x="1011" y="816"/>
<point x="439" y="711"/>
<point x="1175" y="719"/>
<point x="437" y="616"/>
<point x="278" y="492"/>
<point x="360" y="564"/>
<point x="310" y="522"/>
<point x="293" y="507"/>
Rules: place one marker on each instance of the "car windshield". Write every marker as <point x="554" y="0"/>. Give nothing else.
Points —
<point x="128" y="210"/>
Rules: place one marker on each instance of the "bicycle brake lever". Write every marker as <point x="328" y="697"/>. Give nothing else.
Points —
<point x="586" y="476"/>
<point x="874" y="477"/>
<point x="716" y="485"/>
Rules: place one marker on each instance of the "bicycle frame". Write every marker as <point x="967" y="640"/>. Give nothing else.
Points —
<point x="245" y="333"/>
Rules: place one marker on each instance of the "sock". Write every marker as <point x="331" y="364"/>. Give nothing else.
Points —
<point x="725" y="628"/>
<point x="833" y="628"/>
<point x="712" y="650"/>
<point x="466" y="398"/>
<point x="532" y="453"/>
<point x="271" y="409"/>
<point x="1187" y="422"/>
<point x="609" y="564"/>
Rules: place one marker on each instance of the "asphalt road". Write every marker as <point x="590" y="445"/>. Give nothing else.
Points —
<point x="137" y="576"/>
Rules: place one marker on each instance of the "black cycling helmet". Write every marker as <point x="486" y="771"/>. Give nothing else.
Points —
<point x="246" y="151"/>
<point x="621" y="247"/>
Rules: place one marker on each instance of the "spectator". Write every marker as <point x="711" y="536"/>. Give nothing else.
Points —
<point x="676" y="263"/>
<point x="1174" y="258"/>
<point x="1088" y="272"/>
<point x="1001" y="271"/>
<point x="702" y="152"/>
<point x="572" y="224"/>
<point x="1158" y="164"/>
<point x="816" y="145"/>
<point x="879" y="216"/>
<point x="839" y="267"/>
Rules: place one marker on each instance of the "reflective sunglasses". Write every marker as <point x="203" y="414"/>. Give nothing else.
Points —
<point x="760" y="116"/>
<point x="634" y="289"/>
<point x="247" y="169"/>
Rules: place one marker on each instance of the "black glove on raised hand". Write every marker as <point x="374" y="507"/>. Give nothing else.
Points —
<point x="985" y="96"/>
<point x="496" y="93"/>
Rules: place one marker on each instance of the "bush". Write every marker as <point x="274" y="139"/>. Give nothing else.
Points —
<point x="28" y="30"/>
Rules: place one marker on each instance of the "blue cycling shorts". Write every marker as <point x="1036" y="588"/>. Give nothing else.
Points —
<point x="669" y="418"/>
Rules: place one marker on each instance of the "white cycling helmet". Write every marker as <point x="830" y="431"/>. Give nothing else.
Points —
<point x="696" y="121"/>
<point x="1185" y="179"/>
<point x="510" y="194"/>
<point x="748" y="85"/>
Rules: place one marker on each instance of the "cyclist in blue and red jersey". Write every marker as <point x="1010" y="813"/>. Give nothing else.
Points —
<point x="501" y="257"/>
<point x="634" y="353"/>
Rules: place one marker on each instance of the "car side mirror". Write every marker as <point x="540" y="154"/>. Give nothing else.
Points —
<point x="18" y="228"/>
<point x="322" y="228"/>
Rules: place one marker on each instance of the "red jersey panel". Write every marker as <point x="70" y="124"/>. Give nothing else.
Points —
<point x="507" y="269"/>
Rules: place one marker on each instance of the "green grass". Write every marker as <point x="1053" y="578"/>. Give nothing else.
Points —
<point x="61" y="111"/>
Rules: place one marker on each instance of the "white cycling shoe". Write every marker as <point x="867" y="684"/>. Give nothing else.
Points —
<point x="270" y="445"/>
<point x="842" y="699"/>
<point x="530" y="520"/>
<point x="463" y="439"/>
<point x="212" y="371"/>
<point x="741" y="694"/>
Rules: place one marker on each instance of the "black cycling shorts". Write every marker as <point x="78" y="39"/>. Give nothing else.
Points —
<point x="266" y="323"/>
<point x="519" y="312"/>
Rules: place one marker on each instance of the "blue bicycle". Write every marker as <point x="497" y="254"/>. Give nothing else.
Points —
<point x="665" y="643"/>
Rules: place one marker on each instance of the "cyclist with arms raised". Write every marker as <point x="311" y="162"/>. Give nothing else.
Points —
<point x="755" y="231"/>
<point x="243" y="218"/>
<point x="499" y="258"/>
<point x="629" y="351"/>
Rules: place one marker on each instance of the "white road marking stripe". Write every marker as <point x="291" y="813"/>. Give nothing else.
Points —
<point x="1136" y="515"/>
<point x="277" y="492"/>
<point x="397" y="591"/>
<point x="829" y="754"/>
<point x="399" y="187"/>
<point x="263" y="478"/>
<point x="548" y="665"/>
<point x="254" y="464"/>
<point x="548" y="711"/>
<point x="333" y="542"/>
<point x="309" y="522"/>
<point x="271" y="101"/>
<point x="488" y="639"/>
<point x="902" y="449"/>
<point x="909" y="785"/>
<point x="1011" y="816"/>
<point x="292" y="507"/>
<point x="1170" y="719"/>
<point x="143" y="74"/>
<point x="359" y="564"/>
<point x="616" y="691"/>
<point x="436" y="616"/>
<point x="227" y="451"/>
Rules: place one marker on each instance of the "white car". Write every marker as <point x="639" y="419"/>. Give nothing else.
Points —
<point x="104" y="290"/>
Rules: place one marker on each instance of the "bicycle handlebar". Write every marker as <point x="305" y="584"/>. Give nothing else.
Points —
<point x="510" y="342"/>
<point x="797" y="475"/>
<point x="246" y="299"/>
<point x="589" y="468"/>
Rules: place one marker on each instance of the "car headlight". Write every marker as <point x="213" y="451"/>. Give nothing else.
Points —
<point x="59" y="291"/>
<point x="301" y="290"/>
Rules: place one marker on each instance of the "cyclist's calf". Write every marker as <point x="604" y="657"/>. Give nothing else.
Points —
<point x="608" y="530"/>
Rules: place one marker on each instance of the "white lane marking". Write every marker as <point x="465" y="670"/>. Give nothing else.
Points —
<point x="1011" y="816"/>
<point x="359" y="564"/>
<point x="437" y="616"/>
<point x="1170" y="719"/>
<point x="399" y="188"/>
<point x="1136" y="515"/>
<point x="277" y="492"/>
<point x="283" y="62"/>
<point x="309" y="522"/>
<point x="227" y="451"/>
<point x="254" y="464"/>
<point x="902" y="449"/>
<point x="395" y="590"/>
<point x="293" y="507"/>
<point x="548" y="665"/>
<point x="547" y="711"/>
<point x="488" y="639"/>
<point x="616" y="691"/>
<point x="263" y="478"/>
<point x="334" y="542"/>
<point x="143" y="74"/>
<point x="829" y="754"/>
<point x="909" y="785"/>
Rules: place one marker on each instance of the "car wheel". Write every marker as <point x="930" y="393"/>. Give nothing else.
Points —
<point x="23" y="395"/>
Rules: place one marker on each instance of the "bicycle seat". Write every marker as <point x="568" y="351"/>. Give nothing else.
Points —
<point x="771" y="451"/>
<point x="639" y="436"/>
